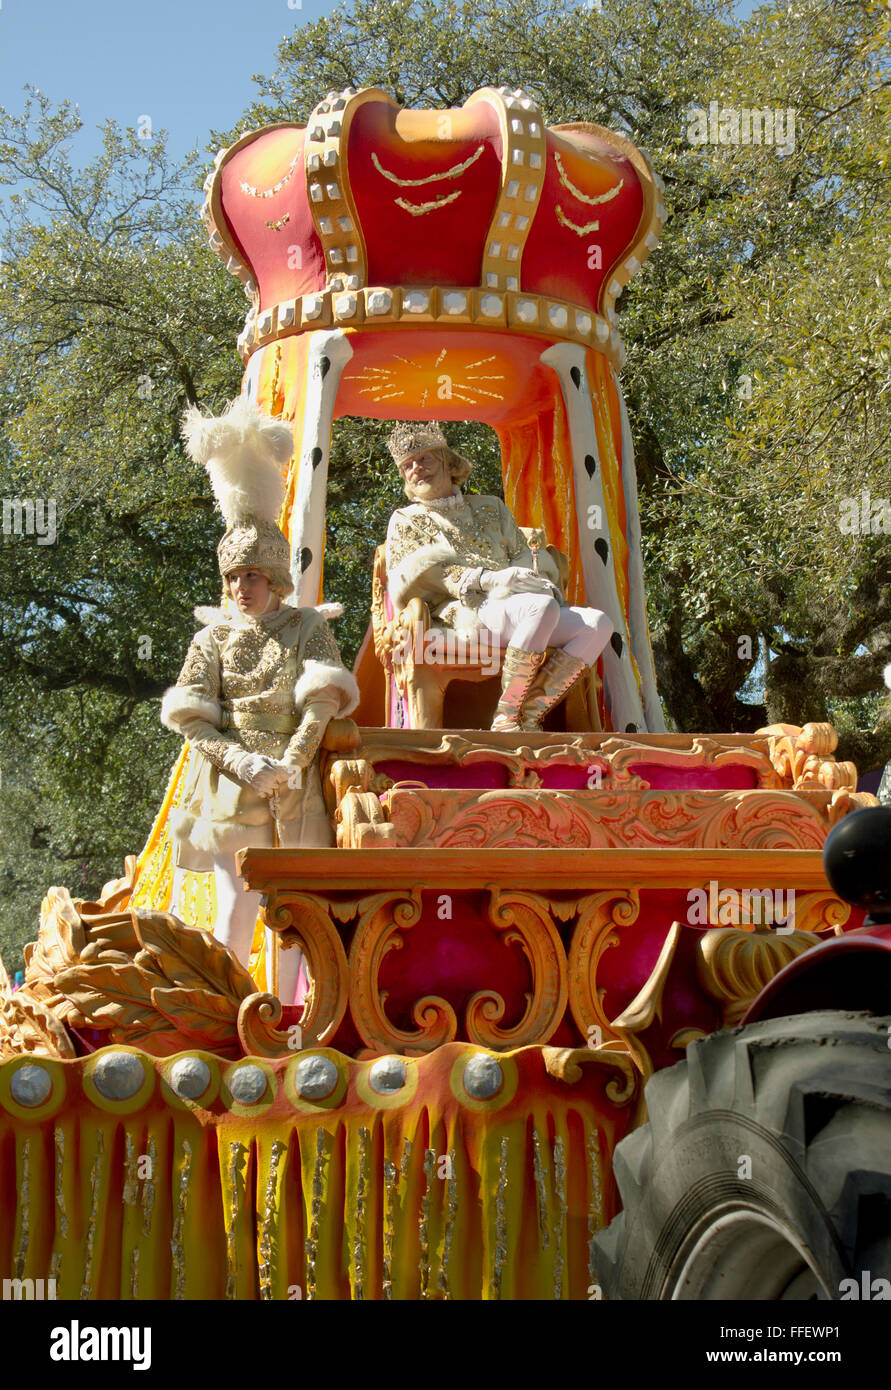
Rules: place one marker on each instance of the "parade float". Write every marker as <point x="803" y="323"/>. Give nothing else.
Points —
<point x="515" y="931"/>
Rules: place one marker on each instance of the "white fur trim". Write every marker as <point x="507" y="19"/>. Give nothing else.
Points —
<point x="208" y="616"/>
<point x="417" y="575"/>
<point x="464" y="621"/>
<point x="179" y="704"/>
<point x="319" y="676"/>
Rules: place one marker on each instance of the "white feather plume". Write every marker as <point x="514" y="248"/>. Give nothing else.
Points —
<point x="244" y="453"/>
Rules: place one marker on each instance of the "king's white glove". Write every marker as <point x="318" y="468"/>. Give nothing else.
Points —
<point x="515" y="580"/>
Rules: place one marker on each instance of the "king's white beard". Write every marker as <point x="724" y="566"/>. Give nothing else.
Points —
<point x="430" y="491"/>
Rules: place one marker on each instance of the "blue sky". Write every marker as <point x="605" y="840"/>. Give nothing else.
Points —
<point x="188" y="64"/>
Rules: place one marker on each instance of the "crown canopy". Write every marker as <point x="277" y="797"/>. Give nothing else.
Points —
<point x="374" y="215"/>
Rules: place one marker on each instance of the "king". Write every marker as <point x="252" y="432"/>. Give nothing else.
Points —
<point x="465" y="554"/>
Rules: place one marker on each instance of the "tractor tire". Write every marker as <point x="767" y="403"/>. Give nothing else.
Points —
<point x="764" y="1171"/>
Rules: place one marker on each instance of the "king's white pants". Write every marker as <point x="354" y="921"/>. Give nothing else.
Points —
<point x="534" y="622"/>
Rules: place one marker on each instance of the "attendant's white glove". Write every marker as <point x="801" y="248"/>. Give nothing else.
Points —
<point x="264" y="775"/>
<point x="515" y="580"/>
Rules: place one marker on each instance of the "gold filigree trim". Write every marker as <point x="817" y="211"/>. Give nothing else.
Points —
<point x="276" y="187"/>
<point x="452" y="173"/>
<point x="580" y="229"/>
<point x="418" y="209"/>
<point x="279" y="222"/>
<point x="592" y="200"/>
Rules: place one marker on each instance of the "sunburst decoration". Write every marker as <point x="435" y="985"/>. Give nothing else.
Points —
<point x="387" y="383"/>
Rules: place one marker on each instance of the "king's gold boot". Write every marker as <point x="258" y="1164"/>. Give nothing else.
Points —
<point x="555" y="677"/>
<point x="518" y="671"/>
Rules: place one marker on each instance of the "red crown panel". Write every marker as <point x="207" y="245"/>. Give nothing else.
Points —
<point x="561" y="259"/>
<point x="274" y="235"/>
<point x="426" y="187"/>
<point x="441" y="246"/>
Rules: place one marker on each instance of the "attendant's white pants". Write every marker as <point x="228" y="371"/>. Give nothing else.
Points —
<point x="237" y="912"/>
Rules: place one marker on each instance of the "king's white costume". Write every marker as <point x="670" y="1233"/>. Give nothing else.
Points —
<point x="435" y="549"/>
<point x="468" y="558"/>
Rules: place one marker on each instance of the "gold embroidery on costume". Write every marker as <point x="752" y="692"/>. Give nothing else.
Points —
<point x="222" y="751"/>
<point x="305" y="743"/>
<point x="321" y="646"/>
<point x="198" y="673"/>
<point x="481" y="532"/>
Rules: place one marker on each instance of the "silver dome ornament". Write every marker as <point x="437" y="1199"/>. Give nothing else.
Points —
<point x="387" y="1075"/>
<point x="30" y="1085"/>
<point x="483" y="1077"/>
<point x="189" y="1077"/>
<point x="118" y="1075"/>
<point x="247" y="1084"/>
<point x="315" y="1078"/>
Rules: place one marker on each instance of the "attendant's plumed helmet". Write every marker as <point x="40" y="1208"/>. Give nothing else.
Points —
<point x="244" y="453"/>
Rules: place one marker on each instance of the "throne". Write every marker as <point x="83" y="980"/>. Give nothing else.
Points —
<point x="437" y="680"/>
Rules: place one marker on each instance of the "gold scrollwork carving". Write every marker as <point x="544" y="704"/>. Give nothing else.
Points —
<point x="257" y="1031"/>
<point x="524" y="920"/>
<point x="382" y="918"/>
<point x="599" y="919"/>
<point x="816" y="912"/>
<point x="362" y="822"/>
<point x="803" y="757"/>
<point x="568" y="1063"/>
<point x="304" y="917"/>
<point x="733" y="966"/>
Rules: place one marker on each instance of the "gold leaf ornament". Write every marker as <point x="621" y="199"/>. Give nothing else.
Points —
<point x="189" y="958"/>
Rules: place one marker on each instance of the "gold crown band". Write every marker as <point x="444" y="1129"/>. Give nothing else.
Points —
<point x="437" y="307"/>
